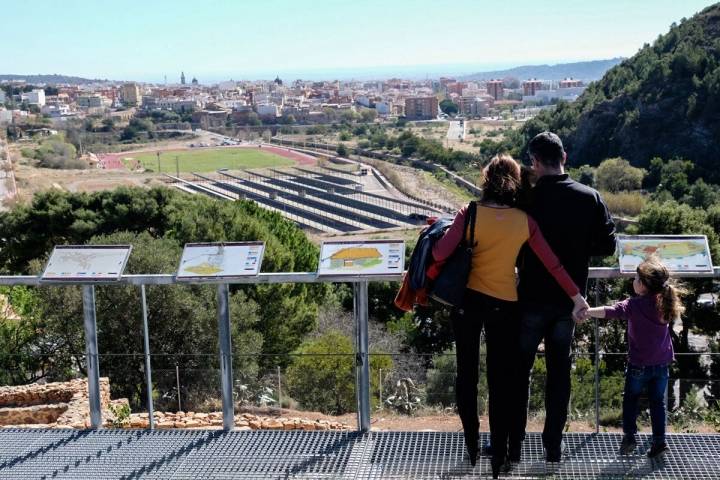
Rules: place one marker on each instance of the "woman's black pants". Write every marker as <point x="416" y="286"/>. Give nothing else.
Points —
<point x="499" y="319"/>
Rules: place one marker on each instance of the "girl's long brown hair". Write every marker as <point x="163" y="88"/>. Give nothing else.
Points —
<point x="501" y="180"/>
<point x="656" y="278"/>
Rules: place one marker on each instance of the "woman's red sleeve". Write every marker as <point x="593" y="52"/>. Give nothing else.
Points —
<point x="445" y="246"/>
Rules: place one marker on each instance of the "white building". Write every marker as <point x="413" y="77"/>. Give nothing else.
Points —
<point x="90" y="101"/>
<point x="544" y="97"/>
<point x="2" y="96"/>
<point x="227" y="86"/>
<point x="56" y="110"/>
<point x="268" y="110"/>
<point x="6" y="116"/>
<point x="36" y="97"/>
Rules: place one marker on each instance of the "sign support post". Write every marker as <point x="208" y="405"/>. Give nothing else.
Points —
<point x="362" y="357"/>
<point x="91" y="353"/>
<point x="148" y="368"/>
<point x="226" y="374"/>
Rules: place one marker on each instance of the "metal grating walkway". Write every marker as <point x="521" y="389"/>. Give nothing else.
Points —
<point x="203" y="454"/>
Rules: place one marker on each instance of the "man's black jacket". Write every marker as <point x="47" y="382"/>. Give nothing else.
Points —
<point x="576" y="224"/>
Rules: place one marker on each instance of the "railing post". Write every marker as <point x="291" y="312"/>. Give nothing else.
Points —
<point x="225" y="356"/>
<point x="148" y="368"/>
<point x="596" y="326"/>
<point x="91" y="352"/>
<point x="362" y="359"/>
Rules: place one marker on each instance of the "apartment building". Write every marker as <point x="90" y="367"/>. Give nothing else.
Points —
<point x="495" y="89"/>
<point x="421" y="108"/>
<point x="130" y="94"/>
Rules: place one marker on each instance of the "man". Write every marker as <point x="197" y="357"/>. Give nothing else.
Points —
<point x="576" y="224"/>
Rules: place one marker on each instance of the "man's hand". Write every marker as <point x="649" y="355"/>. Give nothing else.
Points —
<point x="581" y="317"/>
<point x="580" y="310"/>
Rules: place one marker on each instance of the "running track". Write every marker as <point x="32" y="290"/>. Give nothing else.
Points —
<point x="113" y="161"/>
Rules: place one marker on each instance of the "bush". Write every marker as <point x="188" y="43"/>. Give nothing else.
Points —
<point x="440" y="389"/>
<point x="584" y="174"/>
<point x="616" y="174"/>
<point x="58" y="154"/>
<point x="625" y="203"/>
<point x="322" y="375"/>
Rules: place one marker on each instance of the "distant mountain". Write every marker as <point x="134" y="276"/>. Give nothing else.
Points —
<point x="662" y="102"/>
<point x="53" y="79"/>
<point x="589" y="71"/>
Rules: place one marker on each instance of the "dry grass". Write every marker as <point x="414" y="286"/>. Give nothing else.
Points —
<point x="628" y="204"/>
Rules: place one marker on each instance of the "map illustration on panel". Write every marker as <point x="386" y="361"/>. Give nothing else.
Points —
<point x="369" y="257"/>
<point x="211" y="260"/>
<point x="681" y="253"/>
<point x="96" y="262"/>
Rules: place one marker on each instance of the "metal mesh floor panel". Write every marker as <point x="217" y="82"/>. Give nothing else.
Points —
<point x="203" y="454"/>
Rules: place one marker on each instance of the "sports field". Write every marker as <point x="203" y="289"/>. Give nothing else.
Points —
<point x="208" y="160"/>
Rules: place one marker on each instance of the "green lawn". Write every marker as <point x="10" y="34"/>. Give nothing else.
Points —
<point x="209" y="160"/>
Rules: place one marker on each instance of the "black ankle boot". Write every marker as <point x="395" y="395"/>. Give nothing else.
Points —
<point x="472" y="450"/>
<point x="514" y="452"/>
<point x="471" y="444"/>
<point x="499" y="465"/>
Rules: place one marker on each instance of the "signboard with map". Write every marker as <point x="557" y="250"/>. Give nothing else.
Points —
<point x="220" y="260"/>
<point x="679" y="253"/>
<point x="370" y="257"/>
<point x="86" y="262"/>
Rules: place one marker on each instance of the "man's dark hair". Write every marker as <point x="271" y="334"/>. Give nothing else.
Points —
<point x="547" y="148"/>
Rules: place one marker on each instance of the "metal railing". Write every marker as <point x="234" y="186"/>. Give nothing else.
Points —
<point x="360" y="313"/>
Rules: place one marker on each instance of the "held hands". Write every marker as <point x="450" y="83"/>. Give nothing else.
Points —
<point x="580" y="310"/>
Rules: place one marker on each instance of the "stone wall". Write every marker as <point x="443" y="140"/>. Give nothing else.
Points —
<point x="244" y="421"/>
<point x="57" y="404"/>
<point x="66" y="405"/>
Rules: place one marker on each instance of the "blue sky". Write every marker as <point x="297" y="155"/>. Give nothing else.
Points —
<point x="246" y="39"/>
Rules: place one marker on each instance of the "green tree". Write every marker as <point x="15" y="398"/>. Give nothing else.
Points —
<point x="23" y="359"/>
<point x="616" y="174"/>
<point x="449" y="107"/>
<point x="182" y="319"/>
<point x="702" y="195"/>
<point x="674" y="177"/>
<point x="586" y="175"/>
<point x="368" y="115"/>
<point x="342" y="150"/>
<point x="289" y="310"/>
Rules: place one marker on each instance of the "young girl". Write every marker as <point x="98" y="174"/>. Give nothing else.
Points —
<point x="649" y="317"/>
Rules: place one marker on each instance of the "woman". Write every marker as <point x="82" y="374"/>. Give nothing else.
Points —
<point x="490" y="302"/>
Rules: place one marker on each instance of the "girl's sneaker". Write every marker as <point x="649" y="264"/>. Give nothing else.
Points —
<point x="628" y="444"/>
<point x="657" y="449"/>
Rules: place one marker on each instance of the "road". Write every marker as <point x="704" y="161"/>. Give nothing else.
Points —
<point x="456" y="131"/>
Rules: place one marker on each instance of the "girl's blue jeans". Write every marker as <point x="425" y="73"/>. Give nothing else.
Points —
<point x="655" y="380"/>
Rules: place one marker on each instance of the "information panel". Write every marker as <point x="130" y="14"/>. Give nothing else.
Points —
<point x="370" y="257"/>
<point x="86" y="262"/>
<point x="220" y="260"/>
<point x="679" y="253"/>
